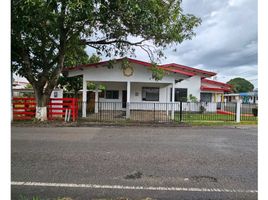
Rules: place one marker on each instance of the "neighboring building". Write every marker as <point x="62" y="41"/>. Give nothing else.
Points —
<point x="244" y="97"/>
<point x="213" y="91"/>
<point x="19" y="90"/>
<point x="19" y="84"/>
<point x="25" y="92"/>
<point x="134" y="83"/>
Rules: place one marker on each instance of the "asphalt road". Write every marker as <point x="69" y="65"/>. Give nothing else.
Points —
<point x="162" y="163"/>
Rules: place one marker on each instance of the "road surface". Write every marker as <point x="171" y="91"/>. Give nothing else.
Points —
<point x="134" y="162"/>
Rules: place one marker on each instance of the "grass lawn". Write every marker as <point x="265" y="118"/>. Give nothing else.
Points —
<point x="220" y="123"/>
<point x="211" y="117"/>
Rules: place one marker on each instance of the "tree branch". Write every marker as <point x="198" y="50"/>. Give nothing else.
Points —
<point x="107" y="41"/>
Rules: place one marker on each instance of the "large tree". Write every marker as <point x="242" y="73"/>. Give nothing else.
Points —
<point x="241" y="85"/>
<point x="43" y="31"/>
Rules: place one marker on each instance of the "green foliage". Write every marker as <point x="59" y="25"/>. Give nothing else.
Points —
<point x="28" y="86"/>
<point x="202" y="109"/>
<point x="241" y="85"/>
<point x="93" y="86"/>
<point x="45" y="33"/>
<point x="125" y="64"/>
<point x="74" y="84"/>
<point x="157" y="73"/>
<point x="193" y="98"/>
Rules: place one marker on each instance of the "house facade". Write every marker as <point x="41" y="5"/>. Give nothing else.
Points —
<point x="133" y="82"/>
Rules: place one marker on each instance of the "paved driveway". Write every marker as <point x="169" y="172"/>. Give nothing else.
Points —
<point x="134" y="162"/>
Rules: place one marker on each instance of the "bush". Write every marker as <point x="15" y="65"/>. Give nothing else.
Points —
<point x="255" y="112"/>
<point x="202" y="109"/>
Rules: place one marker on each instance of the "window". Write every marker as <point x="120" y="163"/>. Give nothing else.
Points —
<point x="205" y="97"/>
<point x="112" y="94"/>
<point x="150" y="94"/>
<point x="180" y="94"/>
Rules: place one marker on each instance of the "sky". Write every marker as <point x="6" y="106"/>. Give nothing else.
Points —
<point x="226" y="42"/>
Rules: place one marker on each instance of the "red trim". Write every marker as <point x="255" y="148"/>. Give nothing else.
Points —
<point x="191" y="72"/>
<point x="215" y="82"/>
<point x="178" y="71"/>
<point x="78" y="67"/>
<point x="190" y="69"/>
<point x="204" y="88"/>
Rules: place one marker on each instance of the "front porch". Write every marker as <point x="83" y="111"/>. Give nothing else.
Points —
<point x="121" y="98"/>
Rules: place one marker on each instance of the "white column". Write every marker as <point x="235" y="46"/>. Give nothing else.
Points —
<point x="128" y="101"/>
<point x="84" y="98"/>
<point x="238" y="110"/>
<point x="167" y="100"/>
<point x="96" y="110"/>
<point x="173" y="100"/>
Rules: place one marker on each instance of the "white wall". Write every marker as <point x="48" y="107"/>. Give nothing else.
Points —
<point x="115" y="74"/>
<point x="142" y="77"/>
<point x="192" y="84"/>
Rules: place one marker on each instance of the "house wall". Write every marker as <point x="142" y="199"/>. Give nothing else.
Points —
<point x="216" y="95"/>
<point x="192" y="84"/>
<point x="115" y="74"/>
<point x="135" y="95"/>
<point x="114" y="79"/>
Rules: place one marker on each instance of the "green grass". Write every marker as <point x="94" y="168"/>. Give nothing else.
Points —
<point x="220" y="123"/>
<point x="186" y="117"/>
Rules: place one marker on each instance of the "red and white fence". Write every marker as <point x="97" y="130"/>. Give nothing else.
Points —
<point x="24" y="108"/>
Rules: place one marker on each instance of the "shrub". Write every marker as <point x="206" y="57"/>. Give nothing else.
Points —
<point x="255" y="112"/>
<point x="202" y="109"/>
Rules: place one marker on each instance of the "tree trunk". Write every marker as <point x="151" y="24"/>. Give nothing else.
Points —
<point x="42" y="100"/>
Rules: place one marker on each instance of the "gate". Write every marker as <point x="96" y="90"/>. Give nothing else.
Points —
<point x="25" y="108"/>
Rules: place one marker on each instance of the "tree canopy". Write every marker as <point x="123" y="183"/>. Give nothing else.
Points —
<point x="45" y="32"/>
<point x="74" y="84"/>
<point x="241" y="85"/>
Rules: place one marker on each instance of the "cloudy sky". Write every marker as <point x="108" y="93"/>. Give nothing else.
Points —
<point x="225" y="43"/>
<point x="227" y="40"/>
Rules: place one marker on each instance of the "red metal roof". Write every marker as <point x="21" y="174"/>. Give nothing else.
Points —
<point x="215" y="82"/>
<point x="191" y="69"/>
<point x="204" y="88"/>
<point x="176" y="68"/>
<point x="177" y="71"/>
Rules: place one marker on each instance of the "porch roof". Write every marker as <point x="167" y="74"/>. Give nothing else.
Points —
<point x="204" y="88"/>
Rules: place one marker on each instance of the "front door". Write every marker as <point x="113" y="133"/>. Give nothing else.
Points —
<point x="124" y="99"/>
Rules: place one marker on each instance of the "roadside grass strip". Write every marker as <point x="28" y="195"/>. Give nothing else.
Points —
<point x="122" y="187"/>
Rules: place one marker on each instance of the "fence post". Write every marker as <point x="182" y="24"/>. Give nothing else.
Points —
<point x="154" y="112"/>
<point x="128" y="110"/>
<point x="238" y="111"/>
<point x="180" y="111"/>
<point x="73" y="109"/>
<point x="100" y="107"/>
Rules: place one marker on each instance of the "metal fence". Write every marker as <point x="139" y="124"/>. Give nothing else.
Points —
<point x="247" y="112"/>
<point x="163" y="112"/>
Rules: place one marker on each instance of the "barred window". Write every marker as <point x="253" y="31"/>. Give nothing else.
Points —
<point x="150" y="94"/>
<point x="180" y="94"/>
<point x="112" y="94"/>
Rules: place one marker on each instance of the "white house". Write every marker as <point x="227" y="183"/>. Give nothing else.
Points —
<point x="133" y="83"/>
